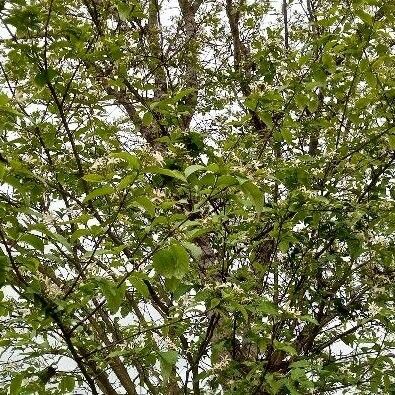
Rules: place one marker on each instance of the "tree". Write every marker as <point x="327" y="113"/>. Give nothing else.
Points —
<point x="197" y="197"/>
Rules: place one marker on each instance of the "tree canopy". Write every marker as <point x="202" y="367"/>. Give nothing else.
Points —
<point x="197" y="197"/>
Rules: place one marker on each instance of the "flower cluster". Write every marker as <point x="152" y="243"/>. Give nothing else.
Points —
<point x="290" y="310"/>
<point x="222" y="363"/>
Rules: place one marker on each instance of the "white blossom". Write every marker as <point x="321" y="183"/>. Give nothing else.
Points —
<point x="159" y="157"/>
<point x="290" y="310"/>
<point x="98" y="163"/>
<point x="373" y="308"/>
<point x="113" y="161"/>
<point x="48" y="218"/>
<point x="222" y="363"/>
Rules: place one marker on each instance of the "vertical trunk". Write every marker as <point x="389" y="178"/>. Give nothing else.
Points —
<point x="190" y="80"/>
<point x="156" y="49"/>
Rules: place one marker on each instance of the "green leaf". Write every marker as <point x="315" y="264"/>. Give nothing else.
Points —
<point x="139" y="285"/>
<point x="301" y="101"/>
<point x="300" y="364"/>
<point x="148" y="118"/>
<point x="251" y="102"/>
<point x="4" y="265"/>
<point x="79" y="233"/>
<point x="355" y="247"/>
<point x="312" y="105"/>
<point x="35" y="241"/>
<point x="195" y="251"/>
<point x="126" y="181"/>
<point x="166" y="172"/>
<point x="102" y="191"/>
<point x="131" y="159"/>
<point x="308" y="318"/>
<point x="254" y="194"/>
<point x="91" y="177"/>
<point x="267" y="118"/>
<point x="62" y="240"/>
<point x="370" y="78"/>
<point x="391" y="141"/>
<point x="364" y="16"/>
<point x="274" y="383"/>
<point x="4" y="99"/>
<point x="214" y="303"/>
<point x="146" y="204"/>
<point x="67" y="384"/>
<point x="6" y="107"/>
<point x="172" y="284"/>
<point x="10" y="110"/>
<point x="172" y="261"/>
<point x="169" y="357"/>
<point x="124" y="11"/>
<point x="287" y="135"/>
<point x="285" y="347"/>
<point x="45" y="76"/>
<point x="16" y="384"/>
<point x="183" y="93"/>
<point x="114" y="295"/>
<point x="193" y="169"/>
<point x="167" y="360"/>
<point x="226" y="181"/>
<point x="320" y="76"/>
<point x="267" y="307"/>
<point x="3" y="170"/>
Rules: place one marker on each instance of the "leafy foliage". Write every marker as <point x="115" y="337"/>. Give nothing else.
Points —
<point x="197" y="197"/>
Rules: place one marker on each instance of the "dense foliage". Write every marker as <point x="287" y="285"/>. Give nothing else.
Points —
<point x="197" y="197"/>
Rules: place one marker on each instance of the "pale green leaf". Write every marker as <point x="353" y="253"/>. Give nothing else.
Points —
<point x="193" y="169"/>
<point x="167" y="360"/>
<point x="172" y="261"/>
<point x="126" y="182"/>
<point x="139" y="285"/>
<point x="91" y="177"/>
<point x="148" y="118"/>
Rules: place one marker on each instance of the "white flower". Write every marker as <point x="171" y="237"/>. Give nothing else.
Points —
<point x="170" y="344"/>
<point x="113" y="161"/>
<point x="378" y="290"/>
<point x="373" y="308"/>
<point x="345" y="369"/>
<point x="319" y="361"/>
<point x="48" y="218"/>
<point x="223" y="363"/>
<point x="30" y="159"/>
<point x="159" y="157"/>
<point x="290" y="310"/>
<point x="237" y="289"/>
<point x="185" y="299"/>
<point x="381" y="240"/>
<point x="159" y="195"/>
<point x="19" y="96"/>
<point x="98" y="163"/>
